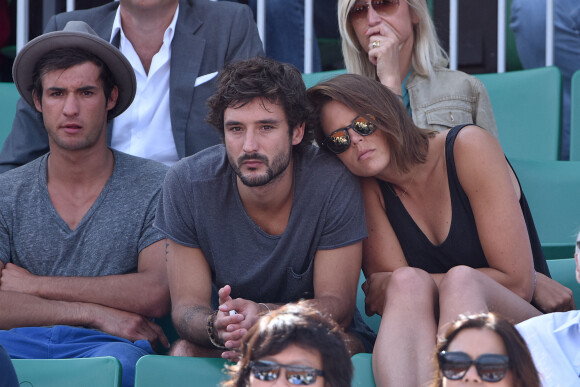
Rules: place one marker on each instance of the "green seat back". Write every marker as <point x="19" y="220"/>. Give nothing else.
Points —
<point x="169" y="371"/>
<point x="314" y="78"/>
<point x="552" y="189"/>
<point x="86" y="372"/>
<point x="564" y="271"/>
<point x="373" y="321"/>
<point x="363" y="370"/>
<point x="575" y="117"/>
<point x="526" y="105"/>
<point x="8" y="98"/>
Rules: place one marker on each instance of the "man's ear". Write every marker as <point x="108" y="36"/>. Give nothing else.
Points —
<point x="298" y="133"/>
<point x="37" y="101"/>
<point x="113" y="98"/>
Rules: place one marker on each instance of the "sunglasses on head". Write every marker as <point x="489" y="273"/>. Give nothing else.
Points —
<point x="490" y="367"/>
<point x="382" y="7"/>
<point x="297" y="375"/>
<point x="339" y="140"/>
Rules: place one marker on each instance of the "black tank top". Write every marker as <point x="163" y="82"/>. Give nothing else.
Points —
<point x="462" y="245"/>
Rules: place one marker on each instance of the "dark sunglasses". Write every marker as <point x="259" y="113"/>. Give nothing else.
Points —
<point x="490" y="367"/>
<point x="296" y="375"/>
<point x="578" y="244"/>
<point x="339" y="140"/>
<point x="382" y="7"/>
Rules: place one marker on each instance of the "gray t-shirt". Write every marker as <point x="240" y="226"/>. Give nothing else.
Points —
<point x="108" y="239"/>
<point x="200" y="207"/>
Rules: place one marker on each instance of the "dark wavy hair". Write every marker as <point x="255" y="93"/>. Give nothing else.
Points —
<point x="301" y="325"/>
<point x="365" y="96"/>
<point x="521" y="363"/>
<point x="65" y="58"/>
<point x="279" y="83"/>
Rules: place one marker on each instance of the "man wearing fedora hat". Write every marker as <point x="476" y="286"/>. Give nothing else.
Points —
<point x="81" y="265"/>
<point x="176" y="47"/>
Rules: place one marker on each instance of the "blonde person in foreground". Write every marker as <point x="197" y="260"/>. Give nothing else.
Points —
<point x="395" y="42"/>
<point x="450" y="231"/>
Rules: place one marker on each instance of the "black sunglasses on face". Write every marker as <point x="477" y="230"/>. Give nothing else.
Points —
<point x="382" y="7"/>
<point x="297" y="375"/>
<point x="490" y="367"/>
<point x="339" y="140"/>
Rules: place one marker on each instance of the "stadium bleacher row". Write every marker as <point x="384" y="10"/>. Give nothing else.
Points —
<point x="527" y="106"/>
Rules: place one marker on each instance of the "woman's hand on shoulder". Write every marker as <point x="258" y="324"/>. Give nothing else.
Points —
<point x="551" y="296"/>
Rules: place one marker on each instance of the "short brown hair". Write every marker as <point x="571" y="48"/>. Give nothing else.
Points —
<point x="279" y="83"/>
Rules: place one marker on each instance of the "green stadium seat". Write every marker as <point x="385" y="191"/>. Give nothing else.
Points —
<point x="564" y="271"/>
<point x="314" y="78"/>
<point x="169" y="371"/>
<point x="553" y="191"/>
<point x="527" y="109"/>
<point x="86" y="372"/>
<point x="575" y="118"/>
<point x="8" y="98"/>
<point x="363" y="370"/>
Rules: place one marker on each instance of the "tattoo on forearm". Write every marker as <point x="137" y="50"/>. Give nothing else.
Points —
<point x="166" y="248"/>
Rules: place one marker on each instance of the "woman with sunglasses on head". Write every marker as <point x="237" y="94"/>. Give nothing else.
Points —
<point x="293" y="345"/>
<point x="395" y="42"/>
<point x="484" y="349"/>
<point x="450" y="231"/>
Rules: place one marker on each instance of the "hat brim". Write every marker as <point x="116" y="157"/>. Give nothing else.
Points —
<point x="119" y="66"/>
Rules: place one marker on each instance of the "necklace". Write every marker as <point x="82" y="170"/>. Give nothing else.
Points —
<point x="404" y="193"/>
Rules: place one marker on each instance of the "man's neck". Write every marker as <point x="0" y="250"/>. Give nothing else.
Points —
<point x="145" y="28"/>
<point x="269" y="205"/>
<point x="79" y="168"/>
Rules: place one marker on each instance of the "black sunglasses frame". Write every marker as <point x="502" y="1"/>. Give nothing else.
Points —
<point x="361" y="10"/>
<point x="329" y="139"/>
<point x="291" y="370"/>
<point x="503" y="360"/>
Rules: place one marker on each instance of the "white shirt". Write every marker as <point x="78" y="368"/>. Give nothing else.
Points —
<point x="144" y="129"/>
<point x="554" y="341"/>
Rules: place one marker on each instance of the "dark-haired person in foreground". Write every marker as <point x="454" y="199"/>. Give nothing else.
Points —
<point x="81" y="265"/>
<point x="296" y="343"/>
<point x="266" y="218"/>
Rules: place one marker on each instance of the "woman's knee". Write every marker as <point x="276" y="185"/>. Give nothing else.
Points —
<point x="461" y="280"/>
<point x="412" y="284"/>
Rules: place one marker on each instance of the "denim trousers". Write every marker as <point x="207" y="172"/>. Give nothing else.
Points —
<point x="528" y="22"/>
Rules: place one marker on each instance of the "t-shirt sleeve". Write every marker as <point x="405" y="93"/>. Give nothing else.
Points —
<point x="4" y="241"/>
<point x="150" y="233"/>
<point x="174" y="215"/>
<point x="345" y="221"/>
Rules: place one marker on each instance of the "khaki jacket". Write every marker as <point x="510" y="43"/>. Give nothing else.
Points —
<point x="449" y="98"/>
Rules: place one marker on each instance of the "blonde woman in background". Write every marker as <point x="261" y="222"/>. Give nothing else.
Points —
<point x="395" y="42"/>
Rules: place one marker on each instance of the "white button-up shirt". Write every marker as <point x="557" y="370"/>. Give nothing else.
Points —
<point x="144" y="129"/>
<point x="554" y="341"/>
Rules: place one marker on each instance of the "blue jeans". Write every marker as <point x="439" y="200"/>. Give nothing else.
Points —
<point x="528" y="22"/>
<point x="285" y="32"/>
<point x="63" y="342"/>
<point x="7" y="374"/>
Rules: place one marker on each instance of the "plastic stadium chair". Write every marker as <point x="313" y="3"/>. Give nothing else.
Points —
<point x="86" y="372"/>
<point x="363" y="370"/>
<point x="168" y="371"/>
<point x="564" y="271"/>
<point x="575" y="117"/>
<point x="553" y="192"/>
<point x="527" y="105"/>
<point x="8" y="98"/>
<point x="373" y="321"/>
<point x="314" y="78"/>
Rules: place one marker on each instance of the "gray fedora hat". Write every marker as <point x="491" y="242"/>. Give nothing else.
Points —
<point x="75" y="34"/>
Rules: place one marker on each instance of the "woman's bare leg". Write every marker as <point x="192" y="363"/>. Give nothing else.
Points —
<point x="464" y="290"/>
<point x="406" y="339"/>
